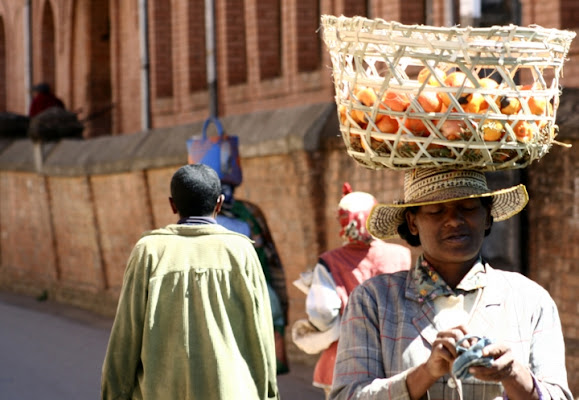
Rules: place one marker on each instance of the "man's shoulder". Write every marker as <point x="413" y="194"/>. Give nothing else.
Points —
<point x="202" y="232"/>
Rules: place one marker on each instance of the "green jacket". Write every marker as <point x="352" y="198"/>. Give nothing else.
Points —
<point x="193" y="320"/>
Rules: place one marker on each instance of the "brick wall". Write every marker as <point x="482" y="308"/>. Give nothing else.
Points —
<point x="125" y="67"/>
<point x="47" y="48"/>
<point x="269" y="38"/>
<point x="569" y="14"/>
<point x="3" y="75"/>
<point x="196" y="62"/>
<point x="25" y="199"/>
<point x="161" y="37"/>
<point x="553" y="235"/>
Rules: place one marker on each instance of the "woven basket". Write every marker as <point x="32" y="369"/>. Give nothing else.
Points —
<point x="422" y="96"/>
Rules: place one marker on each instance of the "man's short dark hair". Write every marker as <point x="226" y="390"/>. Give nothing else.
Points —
<point x="414" y="240"/>
<point x="195" y="189"/>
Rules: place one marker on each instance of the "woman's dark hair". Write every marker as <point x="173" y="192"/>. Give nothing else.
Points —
<point x="195" y="189"/>
<point x="414" y="240"/>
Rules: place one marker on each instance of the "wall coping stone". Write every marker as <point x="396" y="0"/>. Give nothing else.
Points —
<point x="261" y="133"/>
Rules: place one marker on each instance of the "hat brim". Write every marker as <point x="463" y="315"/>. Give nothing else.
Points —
<point x="384" y="219"/>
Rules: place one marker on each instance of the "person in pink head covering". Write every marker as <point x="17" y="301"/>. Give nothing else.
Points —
<point x="336" y="274"/>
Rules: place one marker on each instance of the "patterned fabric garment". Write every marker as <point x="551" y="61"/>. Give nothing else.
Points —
<point x="264" y="245"/>
<point x="388" y="328"/>
<point x="430" y="284"/>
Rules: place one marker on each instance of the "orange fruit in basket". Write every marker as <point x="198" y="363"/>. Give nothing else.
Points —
<point x="488" y="83"/>
<point x="426" y="75"/>
<point x="480" y="104"/>
<point x="455" y="79"/>
<point x="387" y="124"/>
<point x="492" y="130"/>
<point x="395" y="101"/>
<point x="452" y="129"/>
<point x="342" y="114"/>
<point x="429" y="101"/>
<point x="524" y="131"/>
<point x="509" y="105"/>
<point x="474" y="103"/>
<point x="416" y="126"/>
<point x="538" y="105"/>
<point x="367" y="97"/>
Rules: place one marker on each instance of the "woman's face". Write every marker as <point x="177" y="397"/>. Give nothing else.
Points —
<point x="450" y="232"/>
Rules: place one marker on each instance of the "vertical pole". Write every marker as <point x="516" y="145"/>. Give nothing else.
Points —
<point x="449" y="13"/>
<point x="28" y="52"/>
<point x="211" y="57"/>
<point x="145" y="67"/>
<point x="428" y="12"/>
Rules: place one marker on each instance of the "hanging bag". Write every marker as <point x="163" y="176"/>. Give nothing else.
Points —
<point x="219" y="152"/>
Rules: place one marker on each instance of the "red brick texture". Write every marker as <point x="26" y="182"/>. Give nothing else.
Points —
<point x="552" y="240"/>
<point x="161" y="37"/>
<point x="27" y="239"/>
<point x="76" y="234"/>
<point x="3" y="75"/>
<point x="121" y="223"/>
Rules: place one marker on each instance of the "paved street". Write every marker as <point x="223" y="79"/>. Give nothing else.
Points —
<point x="54" y="352"/>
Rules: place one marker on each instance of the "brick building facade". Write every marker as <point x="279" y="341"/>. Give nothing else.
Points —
<point x="70" y="228"/>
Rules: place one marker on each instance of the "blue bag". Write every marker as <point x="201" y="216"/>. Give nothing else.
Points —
<point x="218" y="152"/>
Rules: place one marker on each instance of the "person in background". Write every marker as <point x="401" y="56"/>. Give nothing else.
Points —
<point x="338" y="272"/>
<point x="43" y="99"/>
<point x="247" y="218"/>
<point x="193" y="319"/>
<point x="401" y="333"/>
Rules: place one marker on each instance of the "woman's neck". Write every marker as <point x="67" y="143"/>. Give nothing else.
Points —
<point x="452" y="273"/>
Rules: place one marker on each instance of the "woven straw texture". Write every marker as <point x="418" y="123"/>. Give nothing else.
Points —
<point x="424" y="186"/>
<point x="422" y="96"/>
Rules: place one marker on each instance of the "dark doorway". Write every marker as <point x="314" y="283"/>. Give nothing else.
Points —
<point x="3" y="94"/>
<point x="47" y="48"/>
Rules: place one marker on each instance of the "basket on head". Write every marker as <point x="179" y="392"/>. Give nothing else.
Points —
<point x="423" y="96"/>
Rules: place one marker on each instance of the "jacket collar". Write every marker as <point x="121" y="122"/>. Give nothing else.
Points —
<point x="492" y="299"/>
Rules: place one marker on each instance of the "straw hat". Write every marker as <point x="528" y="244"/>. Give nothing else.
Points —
<point x="424" y="186"/>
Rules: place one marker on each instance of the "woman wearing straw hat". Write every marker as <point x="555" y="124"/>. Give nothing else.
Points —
<point x="401" y="333"/>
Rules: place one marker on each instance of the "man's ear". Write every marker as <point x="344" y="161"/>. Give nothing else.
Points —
<point x="218" y="205"/>
<point x="173" y="206"/>
<point x="411" y="222"/>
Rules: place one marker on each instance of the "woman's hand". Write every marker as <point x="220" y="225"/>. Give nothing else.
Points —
<point x="515" y="377"/>
<point x="444" y="351"/>
<point x="438" y="364"/>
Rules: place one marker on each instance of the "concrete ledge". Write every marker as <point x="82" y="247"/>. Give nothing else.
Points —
<point x="261" y="133"/>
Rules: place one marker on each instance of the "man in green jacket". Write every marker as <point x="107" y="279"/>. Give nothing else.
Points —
<point x="193" y="319"/>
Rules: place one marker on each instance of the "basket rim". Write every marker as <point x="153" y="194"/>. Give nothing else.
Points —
<point x="379" y="23"/>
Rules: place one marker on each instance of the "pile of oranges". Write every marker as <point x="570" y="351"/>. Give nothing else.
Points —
<point x="481" y="107"/>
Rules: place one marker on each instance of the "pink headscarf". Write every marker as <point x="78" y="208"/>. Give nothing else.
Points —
<point x="353" y="210"/>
